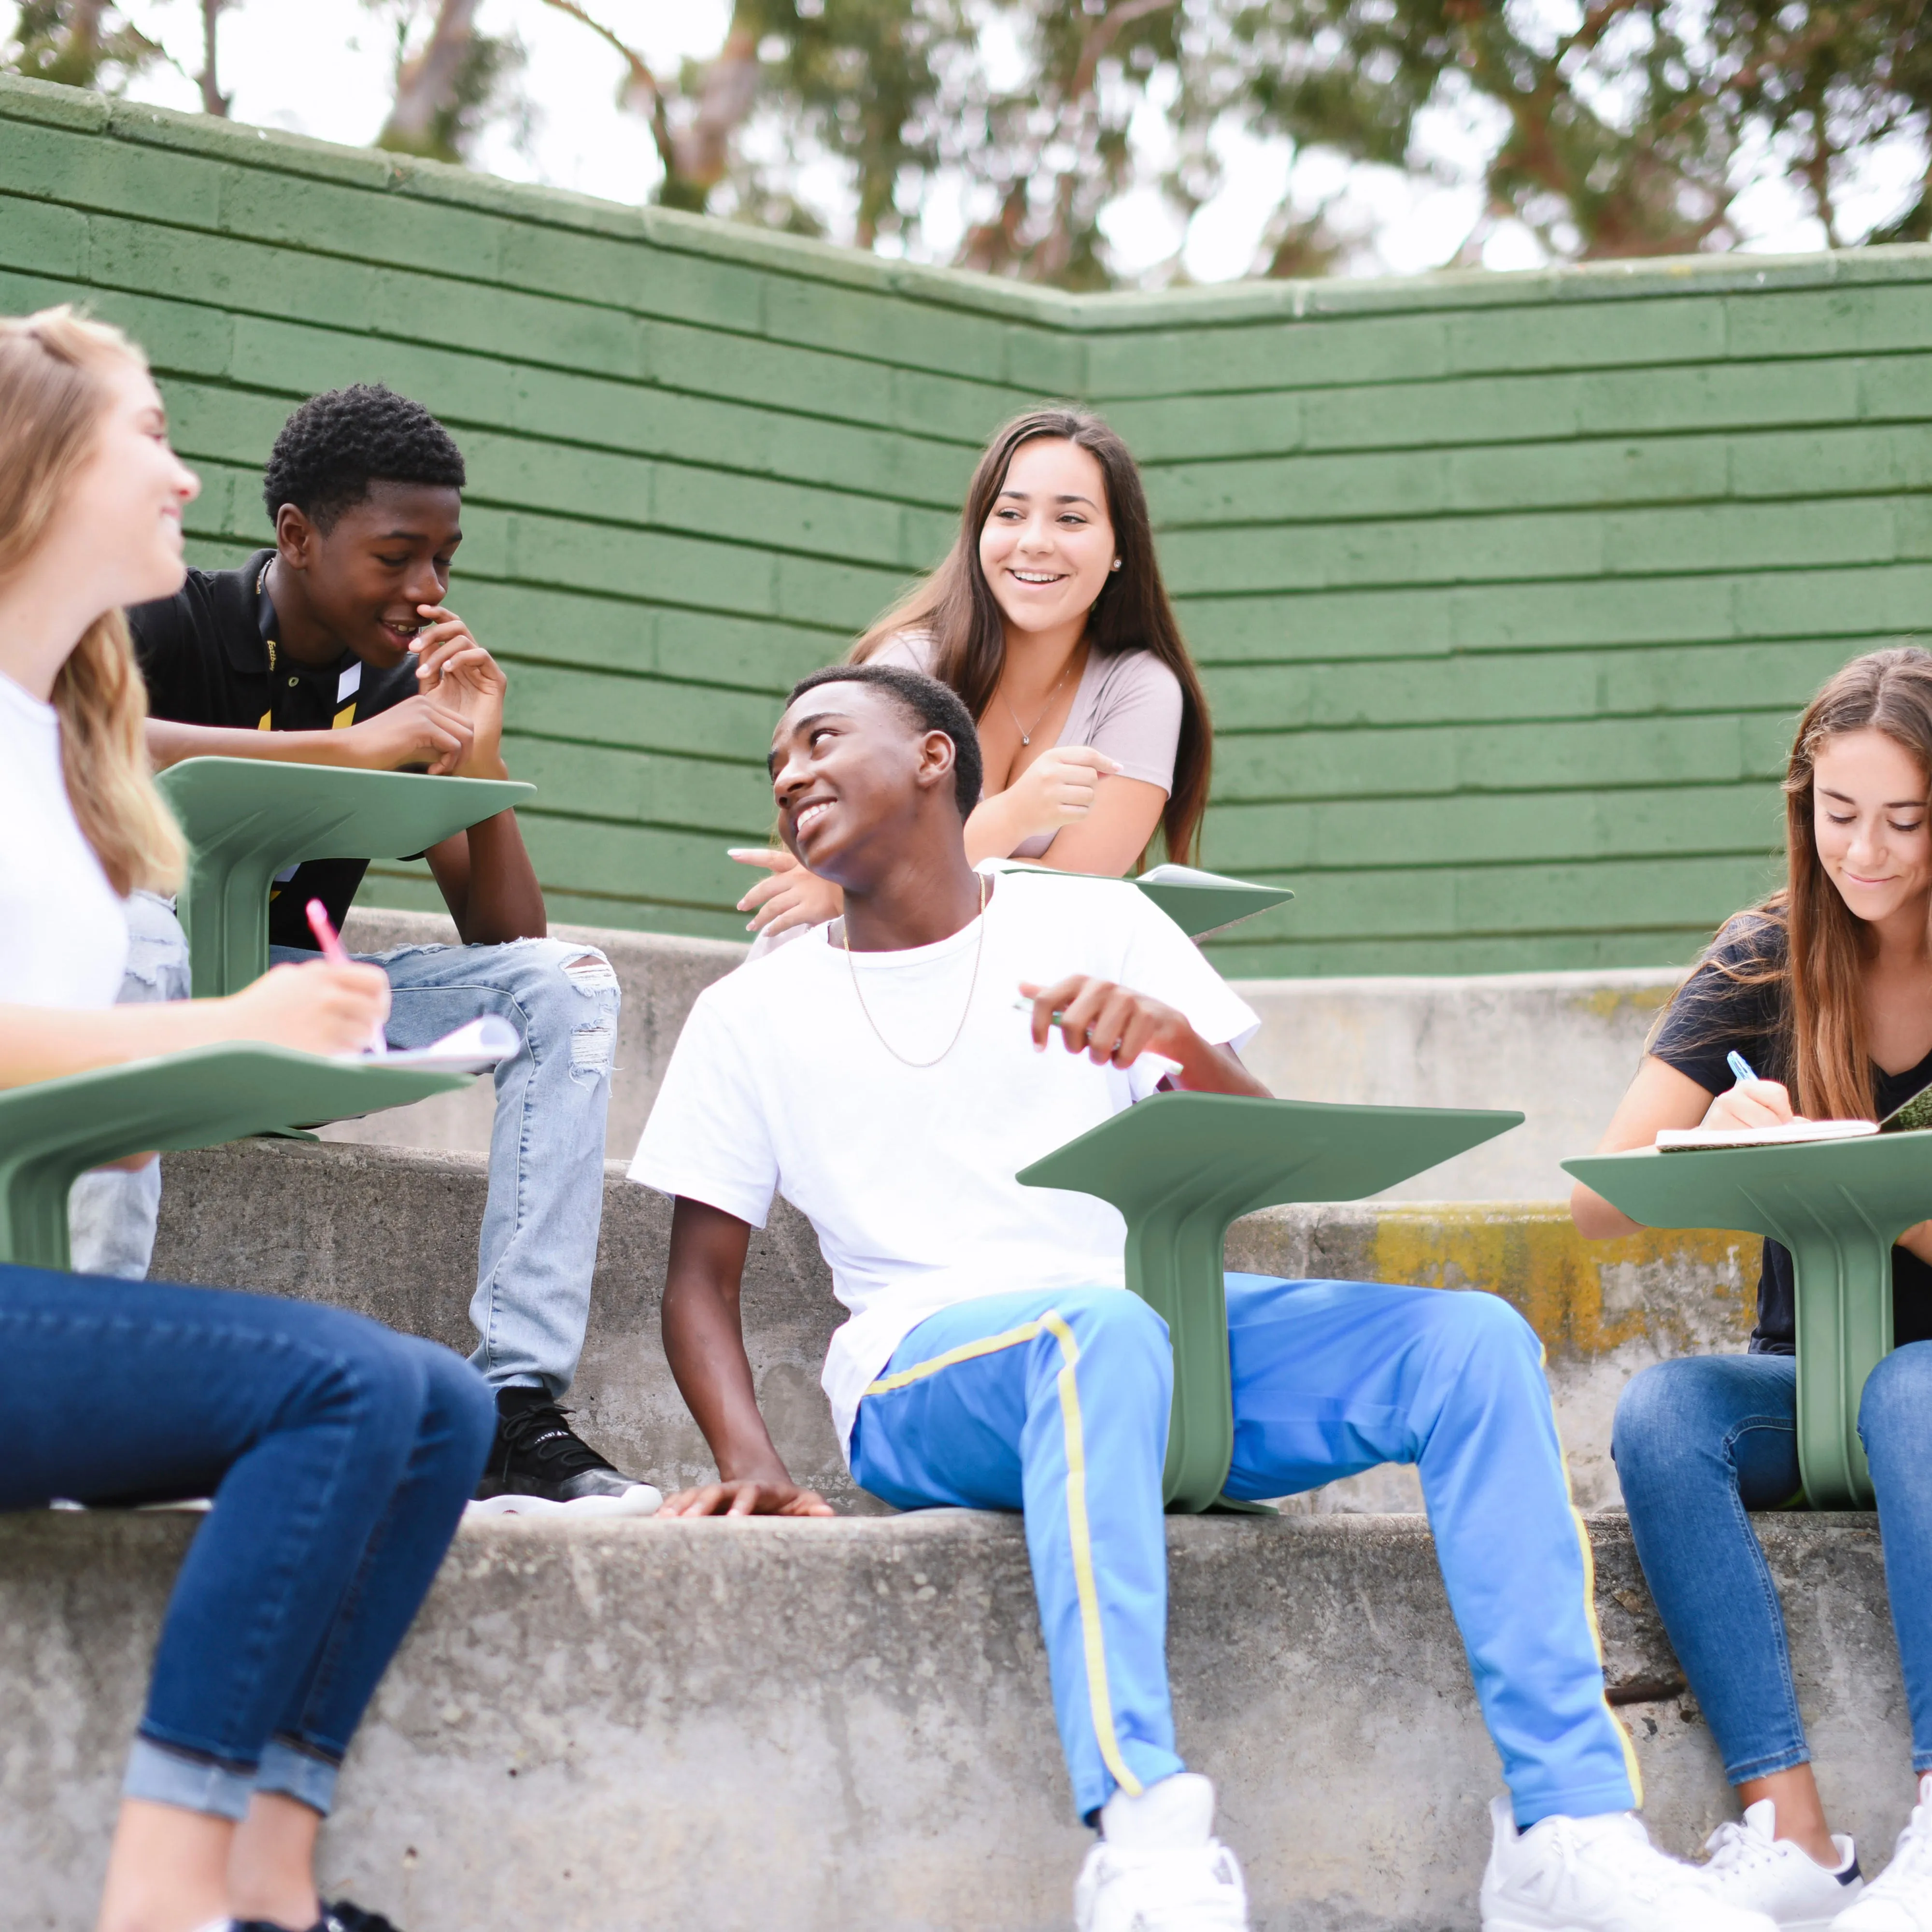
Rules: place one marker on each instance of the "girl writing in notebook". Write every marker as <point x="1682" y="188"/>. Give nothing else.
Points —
<point x="339" y="1456"/>
<point x="1825" y="989"/>
<point x="1049" y="618"/>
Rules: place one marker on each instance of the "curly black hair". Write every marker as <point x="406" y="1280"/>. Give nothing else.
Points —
<point x="931" y="706"/>
<point x="338" y="443"/>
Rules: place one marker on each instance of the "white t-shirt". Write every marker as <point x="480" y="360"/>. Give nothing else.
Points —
<point x="63" y="932"/>
<point x="780" y="1083"/>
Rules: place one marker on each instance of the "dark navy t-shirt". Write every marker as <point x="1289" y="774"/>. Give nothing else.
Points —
<point x="1714" y="1014"/>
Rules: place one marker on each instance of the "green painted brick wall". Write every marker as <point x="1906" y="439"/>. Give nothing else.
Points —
<point x="1506" y="589"/>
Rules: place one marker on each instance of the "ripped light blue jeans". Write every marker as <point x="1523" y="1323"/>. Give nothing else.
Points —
<point x="546" y="1198"/>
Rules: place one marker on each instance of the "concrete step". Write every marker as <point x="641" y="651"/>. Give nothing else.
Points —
<point x="1561" y="1046"/>
<point x="392" y="1232"/>
<point x="844" y="1726"/>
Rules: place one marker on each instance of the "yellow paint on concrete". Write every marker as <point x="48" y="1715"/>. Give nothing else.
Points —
<point x="1605" y="1002"/>
<point x="1583" y="1298"/>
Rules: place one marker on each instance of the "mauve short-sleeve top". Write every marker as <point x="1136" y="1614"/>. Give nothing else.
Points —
<point x="1127" y="704"/>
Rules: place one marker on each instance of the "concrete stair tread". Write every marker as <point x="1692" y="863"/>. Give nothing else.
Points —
<point x="391" y="1232"/>
<point x="845" y="1726"/>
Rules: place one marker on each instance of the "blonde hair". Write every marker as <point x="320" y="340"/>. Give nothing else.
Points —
<point x="53" y="395"/>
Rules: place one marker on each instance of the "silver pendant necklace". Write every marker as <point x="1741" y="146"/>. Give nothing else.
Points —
<point x="979" y="949"/>
<point x="1026" y="736"/>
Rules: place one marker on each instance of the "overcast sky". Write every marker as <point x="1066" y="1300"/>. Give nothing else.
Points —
<point x="324" y="68"/>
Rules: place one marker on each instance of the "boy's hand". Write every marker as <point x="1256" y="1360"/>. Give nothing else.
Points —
<point x="1109" y="1023"/>
<point x="456" y="670"/>
<point x="419" y="731"/>
<point x="750" y="1496"/>
<point x="1113" y="1024"/>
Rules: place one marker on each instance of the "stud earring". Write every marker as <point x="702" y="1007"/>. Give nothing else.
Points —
<point x="1115" y="564"/>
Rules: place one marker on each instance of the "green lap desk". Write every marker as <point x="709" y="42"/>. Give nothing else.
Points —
<point x="1182" y="1167"/>
<point x="1838" y="1206"/>
<point x="53" y="1131"/>
<point x="246" y="819"/>
<point x="1199" y="908"/>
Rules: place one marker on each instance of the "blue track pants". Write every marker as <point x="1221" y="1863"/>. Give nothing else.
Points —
<point x="1057" y="1404"/>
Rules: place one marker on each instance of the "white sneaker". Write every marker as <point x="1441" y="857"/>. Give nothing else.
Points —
<point x="1752" y="1866"/>
<point x="1597" y="1875"/>
<point x="1900" y="1899"/>
<point x="1159" y="1868"/>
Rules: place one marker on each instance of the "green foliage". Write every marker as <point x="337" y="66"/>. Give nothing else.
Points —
<point x="77" y="43"/>
<point x="902" y="91"/>
<point x="1623" y="136"/>
<point x="1626" y="133"/>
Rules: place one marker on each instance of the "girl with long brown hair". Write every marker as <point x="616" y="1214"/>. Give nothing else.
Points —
<point x="340" y="1455"/>
<point x="1824" y="990"/>
<point x="1049" y="618"/>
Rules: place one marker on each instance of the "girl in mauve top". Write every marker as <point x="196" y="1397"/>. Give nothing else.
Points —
<point x="1049" y="618"/>
<point x="1825" y="990"/>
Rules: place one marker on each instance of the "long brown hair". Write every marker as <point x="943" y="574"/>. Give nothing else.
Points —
<point x="52" y="396"/>
<point x="956" y="608"/>
<point x="1824" y="1043"/>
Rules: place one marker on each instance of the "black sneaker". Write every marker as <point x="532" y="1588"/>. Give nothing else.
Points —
<point x="539" y="1464"/>
<point x="342" y="1916"/>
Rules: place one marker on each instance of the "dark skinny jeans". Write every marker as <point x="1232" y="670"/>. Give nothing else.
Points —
<point x="339" y="1457"/>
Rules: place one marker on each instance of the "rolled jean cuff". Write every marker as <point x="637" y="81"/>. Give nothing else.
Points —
<point x="1768" y="1764"/>
<point x="291" y="1772"/>
<point x="159" y="1776"/>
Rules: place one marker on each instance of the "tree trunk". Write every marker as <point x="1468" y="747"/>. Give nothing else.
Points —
<point x="213" y="100"/>
<point x="725" y="98"/>
<point x="426" y="86"/>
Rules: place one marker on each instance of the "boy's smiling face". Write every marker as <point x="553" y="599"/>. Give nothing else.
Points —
<point x="364" y="576"/>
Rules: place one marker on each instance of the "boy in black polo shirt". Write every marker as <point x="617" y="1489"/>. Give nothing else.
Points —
<point x="334" y="647"/>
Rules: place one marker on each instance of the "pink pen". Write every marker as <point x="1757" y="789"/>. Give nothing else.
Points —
<point x="337" y="954"/>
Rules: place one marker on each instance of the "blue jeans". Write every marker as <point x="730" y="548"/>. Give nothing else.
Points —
<point x="546" y="1200"/>
<point x="1700" y="1441"/>
<point x="339" y="1457"/>
<point x="1057" y="1404"/>
<point x="111" y="1213"/>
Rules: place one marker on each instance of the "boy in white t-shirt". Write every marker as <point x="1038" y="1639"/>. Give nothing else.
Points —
<point x="876" y="1072"/>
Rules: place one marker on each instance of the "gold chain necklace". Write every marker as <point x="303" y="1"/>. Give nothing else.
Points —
<point x="1026" y="736"/>
<point x="979" y="949"/>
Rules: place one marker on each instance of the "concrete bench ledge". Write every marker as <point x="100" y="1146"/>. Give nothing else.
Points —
<point x="844" y="1726"/>
<point x="1561" y="1046"/>
<point x="392" y="1232"/>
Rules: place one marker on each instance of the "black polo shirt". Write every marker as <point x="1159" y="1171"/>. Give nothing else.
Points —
<point x="209" y="655"/>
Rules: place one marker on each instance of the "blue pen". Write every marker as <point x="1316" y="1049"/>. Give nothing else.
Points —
<point x="1741" y="1066"/>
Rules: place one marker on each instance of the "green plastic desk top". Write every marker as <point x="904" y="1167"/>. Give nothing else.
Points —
<point x="247" y="819"/>
<point x="326" y="811"/>
<point x="1203" y="904"/>
<point x="1838" y="1206"/>
<point x="1261" y="1153"/>
<point x="1883" y="1179"/>
<point x="1210" y="905"/>
<point x="1181" y="1167"/>
<point x="54" y="1130"/>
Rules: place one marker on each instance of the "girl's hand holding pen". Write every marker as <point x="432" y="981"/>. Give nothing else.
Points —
<point x="1752" y="1103"/>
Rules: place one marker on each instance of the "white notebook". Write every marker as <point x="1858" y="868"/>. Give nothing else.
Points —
<point x="474" y="1049"/>
<point x="1683" y="1140"/>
